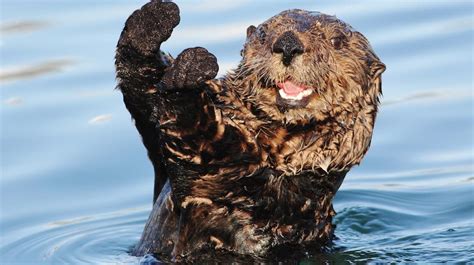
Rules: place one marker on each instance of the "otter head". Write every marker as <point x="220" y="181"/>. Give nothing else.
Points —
<point x="300" y="66"/>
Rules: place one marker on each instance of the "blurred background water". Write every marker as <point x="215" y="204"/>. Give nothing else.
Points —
<point x="76" y="185"/>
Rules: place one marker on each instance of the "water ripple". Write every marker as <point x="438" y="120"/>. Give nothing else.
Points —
<point x="376" y="235"/>
<point x="422" y="30"/>
<point x="105" y="238"/>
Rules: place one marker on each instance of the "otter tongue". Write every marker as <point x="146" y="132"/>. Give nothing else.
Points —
<point x="290" y="88"/>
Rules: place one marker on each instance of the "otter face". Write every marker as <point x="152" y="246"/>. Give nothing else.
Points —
<point x="300" y="66"/>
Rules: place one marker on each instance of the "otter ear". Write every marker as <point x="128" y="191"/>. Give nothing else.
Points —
<point x="250" y="30"/>
<point x="376" y="70"/>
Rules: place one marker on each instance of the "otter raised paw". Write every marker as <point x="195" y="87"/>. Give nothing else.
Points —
<point x="248" y="164"/>
<point x="150" y="26"/>
<point x="192" y="68"/>
<point x="144" y="72"/>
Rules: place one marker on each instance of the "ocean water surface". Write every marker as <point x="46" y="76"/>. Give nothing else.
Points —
<point x="76" y="184"/>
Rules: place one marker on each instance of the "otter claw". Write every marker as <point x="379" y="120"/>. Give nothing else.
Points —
<point x="150" y="26"/>
<point x="192" y="68"/>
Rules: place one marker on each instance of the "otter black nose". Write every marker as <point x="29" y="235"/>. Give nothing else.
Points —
<point x="289" y="45"/>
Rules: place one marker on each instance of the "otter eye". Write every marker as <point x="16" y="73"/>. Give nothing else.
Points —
<point x="337" y="42"/>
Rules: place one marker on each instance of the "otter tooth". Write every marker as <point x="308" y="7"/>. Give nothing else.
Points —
<point x="300" y="95"/>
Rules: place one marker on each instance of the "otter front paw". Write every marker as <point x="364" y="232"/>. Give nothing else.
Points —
<point x="192" y="68"/>
<point x="150" y="26"/>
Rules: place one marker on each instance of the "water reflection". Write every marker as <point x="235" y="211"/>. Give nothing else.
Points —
<point x="100" y="119"/>
<point x="13" y="101"/>
<point x="22" y="26"/>
<point x="34" y="70"/>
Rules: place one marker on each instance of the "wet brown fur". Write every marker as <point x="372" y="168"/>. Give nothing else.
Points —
<point x="242" y="173"/>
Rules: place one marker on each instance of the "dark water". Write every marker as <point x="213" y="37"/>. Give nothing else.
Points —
<point x="76" y="186"/>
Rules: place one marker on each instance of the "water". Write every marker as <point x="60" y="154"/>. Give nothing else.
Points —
<point x="76" y="185"/>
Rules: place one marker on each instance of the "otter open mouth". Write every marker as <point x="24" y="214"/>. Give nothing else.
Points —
<point x="293" y="95"/>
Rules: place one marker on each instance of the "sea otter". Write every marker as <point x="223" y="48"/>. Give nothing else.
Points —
<point x="248" y="163"/>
